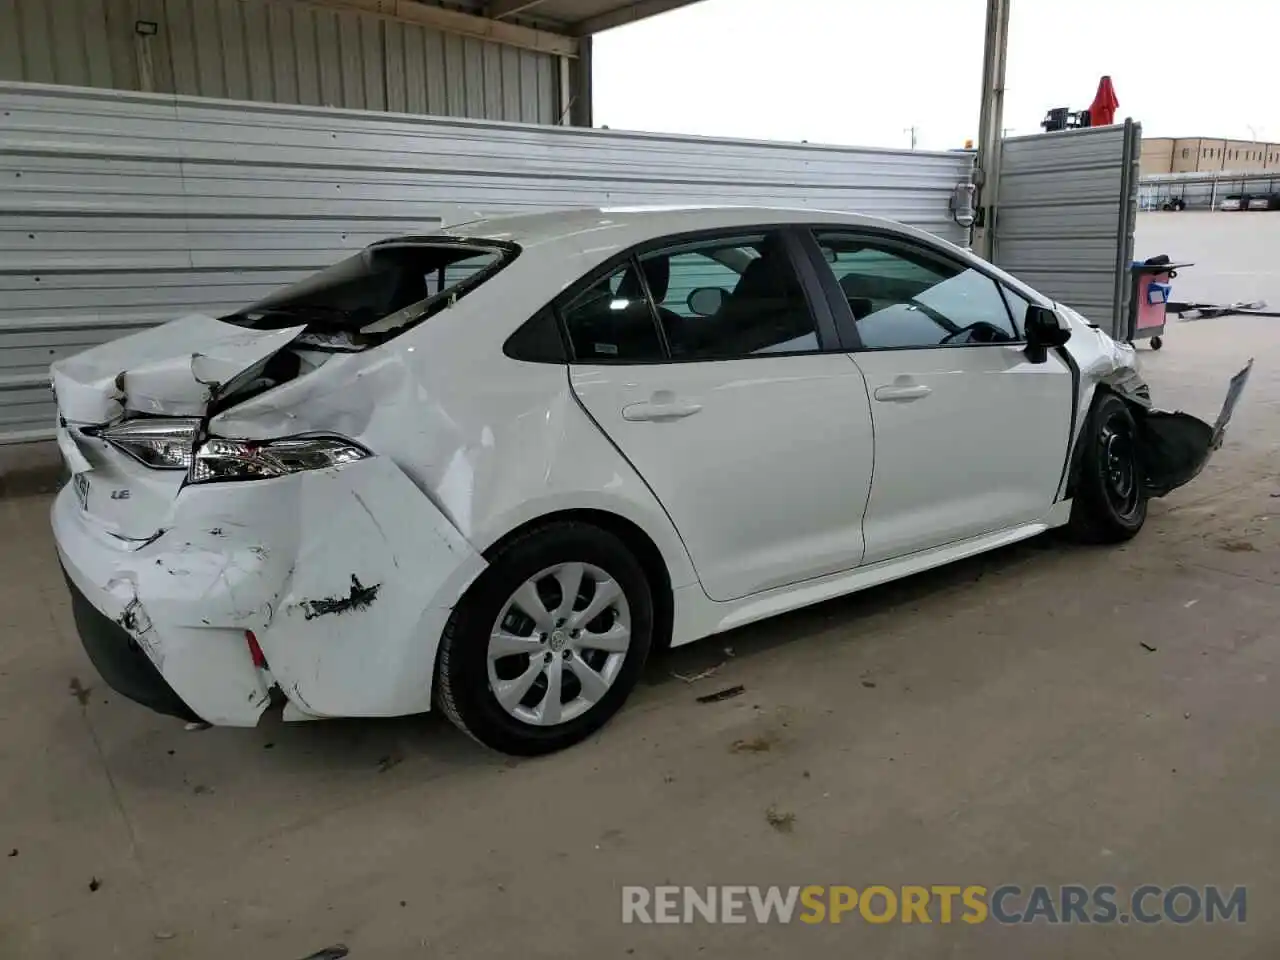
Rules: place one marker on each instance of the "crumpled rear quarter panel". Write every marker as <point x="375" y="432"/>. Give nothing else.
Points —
<point x="345" y="575"/>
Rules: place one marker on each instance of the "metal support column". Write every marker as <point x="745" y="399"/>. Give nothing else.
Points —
<point x="986" y="173"/>
<point x="579" y="105"/>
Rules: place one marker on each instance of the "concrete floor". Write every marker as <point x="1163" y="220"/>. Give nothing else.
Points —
<point x="1011" y="729"/>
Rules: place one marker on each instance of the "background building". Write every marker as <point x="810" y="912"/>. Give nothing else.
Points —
<point x="1206" y="155"/>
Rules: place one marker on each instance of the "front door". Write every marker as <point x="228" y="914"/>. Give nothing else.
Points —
<point x="705" y="364"/>
<point x="970" y="436"/>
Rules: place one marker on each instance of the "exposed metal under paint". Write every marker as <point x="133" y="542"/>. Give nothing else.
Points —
<point x="360" y="598"/>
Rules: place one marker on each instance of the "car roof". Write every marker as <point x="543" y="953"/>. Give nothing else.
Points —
<point x="580" y="237"/>
<point x="641" y="221"/>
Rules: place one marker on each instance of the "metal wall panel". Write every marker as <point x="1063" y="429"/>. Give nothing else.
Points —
<point x="122" y="210"/>
<point x="1065" y="214"/>
<point x="274" y="51"/>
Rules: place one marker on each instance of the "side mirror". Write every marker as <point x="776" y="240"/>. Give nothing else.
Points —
<point x="705" y="301"/>
<point x="1043" y="332"/>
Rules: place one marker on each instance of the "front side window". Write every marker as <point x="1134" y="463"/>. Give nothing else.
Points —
<point x="904" y="297"/>
<point x="728" y="298"/>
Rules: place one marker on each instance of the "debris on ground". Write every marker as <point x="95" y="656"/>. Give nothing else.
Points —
<point x="1190" y="603"/>
<point x="13" y="852"/>
<point x="695" y="677"/>
<point x="197" y="725"/>
<point x="1237" y="546"/>
<point x="869" y="684"/>
<point x="392" y="759"/>
<point x="728" y="652"/>
<point x="781" y="820"/>
<point x="94" y="884"/>
<point x="727" y="693"/>
<point x="164" y="934"/>
<point x="201" y="790"/>
<point x="760" y="744"/>
<point x="79" y="691"/>
<point x="1209" y="311"/>
<point x="1146" y="646"/>
<point x="335" y="952"/>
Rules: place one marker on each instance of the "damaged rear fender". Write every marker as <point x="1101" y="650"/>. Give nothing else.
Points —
<point x="375" y="572"/>
<point x="345" y="576"/>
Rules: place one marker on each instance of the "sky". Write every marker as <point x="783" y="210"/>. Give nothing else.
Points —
<point x="862" y="72"/>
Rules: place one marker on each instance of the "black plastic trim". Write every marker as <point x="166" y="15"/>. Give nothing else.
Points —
<point x="121" y="662"/>
<point x="540" y="339"/>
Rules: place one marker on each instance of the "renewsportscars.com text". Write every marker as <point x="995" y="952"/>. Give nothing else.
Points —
<point x="938" y="903"/>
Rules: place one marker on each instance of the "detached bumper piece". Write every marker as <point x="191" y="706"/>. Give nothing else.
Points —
<point x="121" y="662"/>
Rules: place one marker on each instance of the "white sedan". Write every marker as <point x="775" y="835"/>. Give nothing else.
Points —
<point x="491" y="470"/>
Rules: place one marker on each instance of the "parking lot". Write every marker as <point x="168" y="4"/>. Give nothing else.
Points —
<point x="1047" y="714"/>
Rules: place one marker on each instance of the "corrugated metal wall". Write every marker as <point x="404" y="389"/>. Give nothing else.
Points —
<point x="122" y="210"/>
<point x="275" y="51"/>
<point x="1065" y="216"/>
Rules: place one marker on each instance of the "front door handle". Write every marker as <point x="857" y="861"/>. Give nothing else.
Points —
<point x="659" y="410"/>
<point x="904" y="393"/>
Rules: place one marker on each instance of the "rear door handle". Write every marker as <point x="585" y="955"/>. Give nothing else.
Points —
<point x="891" y="394"/>
<point x="648" y="410"/>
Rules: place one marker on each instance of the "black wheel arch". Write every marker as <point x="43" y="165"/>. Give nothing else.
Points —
<point x="1139" y="416"/>
<point x="634" y="538"/>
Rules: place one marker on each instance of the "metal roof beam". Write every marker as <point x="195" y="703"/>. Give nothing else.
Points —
<point x="639" y="10"/>
<point x="498" y="9"/>
<point x="464" y="24"/>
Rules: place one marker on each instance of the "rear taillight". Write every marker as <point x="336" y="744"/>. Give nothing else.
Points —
<point x="255" y="650"/>
<point x="220" y="459"/>
<point x="162" y="444"/>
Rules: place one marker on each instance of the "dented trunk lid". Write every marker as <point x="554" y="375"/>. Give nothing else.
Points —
<point x="171" y="370"/>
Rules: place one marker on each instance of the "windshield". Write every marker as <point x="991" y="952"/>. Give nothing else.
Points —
<point x="378" y="292"/>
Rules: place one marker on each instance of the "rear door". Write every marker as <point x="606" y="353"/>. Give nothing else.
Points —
<point x="710" y="369"/>
<point x="970" y="437"/>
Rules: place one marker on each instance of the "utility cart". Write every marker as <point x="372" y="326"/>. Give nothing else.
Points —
<point x="1148" y="304"/>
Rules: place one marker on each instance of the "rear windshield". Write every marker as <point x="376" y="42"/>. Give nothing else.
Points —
<point x="379" y="292"/>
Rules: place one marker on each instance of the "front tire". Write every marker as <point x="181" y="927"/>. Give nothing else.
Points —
<point x="548" y="643"/>
<point x="1110" y="504"/>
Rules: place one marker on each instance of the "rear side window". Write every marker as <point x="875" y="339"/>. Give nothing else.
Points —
<point x="729" y="298"/>
<point x="716" y="299"/>
<point x="612" y="320"/>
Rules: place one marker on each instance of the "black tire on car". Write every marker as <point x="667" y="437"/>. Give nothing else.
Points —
<point x="479" y="685"/>
<point x="1110" y="504"/>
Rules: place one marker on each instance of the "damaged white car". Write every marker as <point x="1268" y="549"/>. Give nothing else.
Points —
<point x="491" y="470"/>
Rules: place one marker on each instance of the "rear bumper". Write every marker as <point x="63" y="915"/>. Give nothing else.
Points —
<point x="121" y="662"/>
<point x="345" y="576"/>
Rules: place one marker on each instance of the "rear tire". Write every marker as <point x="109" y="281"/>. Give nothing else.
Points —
<point x="1110" y="504"/>
<point x="517" y="669"/>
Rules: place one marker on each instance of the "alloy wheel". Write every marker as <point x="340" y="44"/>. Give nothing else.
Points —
<point x="558" y="644"/>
